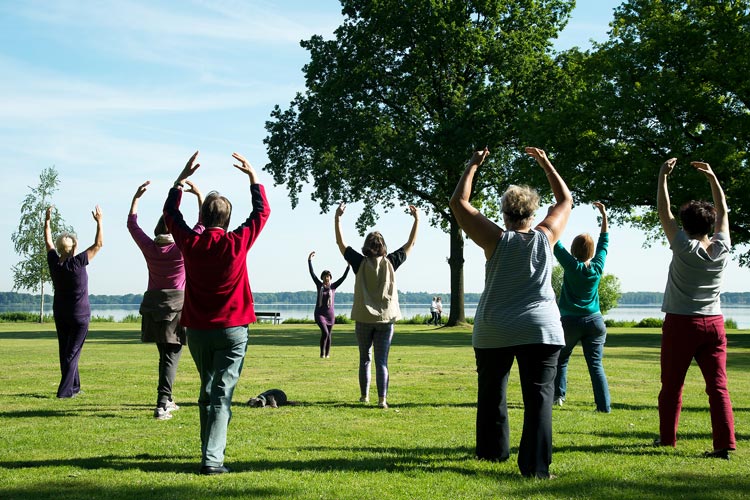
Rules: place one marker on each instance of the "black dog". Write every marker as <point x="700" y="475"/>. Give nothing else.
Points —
<point x="273" y="398"/>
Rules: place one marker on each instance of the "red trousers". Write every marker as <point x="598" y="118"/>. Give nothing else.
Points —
<point x="703" y="338"/>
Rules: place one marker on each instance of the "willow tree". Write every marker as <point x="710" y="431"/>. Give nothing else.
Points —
<point x="397" y="100"/>
<point x="32" y="272"/>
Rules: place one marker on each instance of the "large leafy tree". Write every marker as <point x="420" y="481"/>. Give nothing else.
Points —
<point x="396" y="102"/>
<point x="672" y="80"/>
<point x="32" y="272"/>
<point x="609" y="289"/>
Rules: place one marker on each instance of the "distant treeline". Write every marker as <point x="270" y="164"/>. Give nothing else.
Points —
<point x="309" y="297"/>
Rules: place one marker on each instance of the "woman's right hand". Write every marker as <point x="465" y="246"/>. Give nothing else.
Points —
<point x="48" y="215"/>
<point x="141" y="189"/>
<point x="601" y="207"/>
<point x="312" y="254"/>
<point x="479" y="156"/>
<point x="668" y="166"/>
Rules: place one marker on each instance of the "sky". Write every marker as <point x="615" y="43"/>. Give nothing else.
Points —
<point x="114" y="93"/>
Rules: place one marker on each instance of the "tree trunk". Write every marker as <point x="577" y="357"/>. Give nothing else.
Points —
<point x="456" y="262"/>
<point x="41" y="305"/>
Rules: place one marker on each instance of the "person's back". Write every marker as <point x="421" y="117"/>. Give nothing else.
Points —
<point x="518" y="304"/>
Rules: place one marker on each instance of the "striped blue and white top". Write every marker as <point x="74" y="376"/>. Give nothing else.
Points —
<point x="518" y="304"/>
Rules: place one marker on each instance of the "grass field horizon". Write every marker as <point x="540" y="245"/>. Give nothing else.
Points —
<point x="106" y="444"/>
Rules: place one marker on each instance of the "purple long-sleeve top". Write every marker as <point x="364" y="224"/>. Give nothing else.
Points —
<point x="166" y="268"/>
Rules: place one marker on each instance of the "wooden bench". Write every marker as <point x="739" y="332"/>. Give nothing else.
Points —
<point x="275" y="317"/>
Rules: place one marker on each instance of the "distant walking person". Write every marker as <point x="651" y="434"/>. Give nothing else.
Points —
<point x="517" y="317"/>
<point x="434" y="311"/>
<point x="162" y="303"/>
<point x="71" y="301"/>
<point x="324" y="314"/>
<point x="439" y="311"/>
<point x="582" y="319"/>
<point x="375" y="309"/>
<point x="218" y="301"/>
<point x="694" y="325"/>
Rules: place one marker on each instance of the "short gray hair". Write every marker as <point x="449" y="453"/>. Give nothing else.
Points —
<point x="66" y="243"/>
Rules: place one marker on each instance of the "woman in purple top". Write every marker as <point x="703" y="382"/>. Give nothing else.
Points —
<point x="71" y="302"/>
<point x="324" y="315"/>
<point x="162" y="302"/>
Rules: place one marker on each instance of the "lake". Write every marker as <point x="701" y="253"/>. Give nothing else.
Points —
<point x="622" y="313"/>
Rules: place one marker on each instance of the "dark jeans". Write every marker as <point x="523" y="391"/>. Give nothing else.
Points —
<point x="537" y="365"/>
<point x="169" y="357"/>
<point x="591" y="332"/>
<point x="71" y="334"/>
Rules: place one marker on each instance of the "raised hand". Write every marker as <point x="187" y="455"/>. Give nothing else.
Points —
<point x="702" y="166"/>
<point x="601" y="207"/>
<point x="310" y="257"/>
<point x="668" y="166"/>
<point x="479" y="156"/>
<point x="340" y="209"/>
<point x="48" y="214"/>
<point x="414" y="211"/>
<point x="189" y="169"/>
<point x="540" y="156"/>
<point x="97" y="214"/>
<point x="193" y="188"/>
<point x="141" y="189"/>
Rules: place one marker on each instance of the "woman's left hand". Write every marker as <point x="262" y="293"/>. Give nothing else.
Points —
<point x="97" y="213"/>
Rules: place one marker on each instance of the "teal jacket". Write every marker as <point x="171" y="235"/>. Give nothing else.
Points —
<point x="580" y="290"/>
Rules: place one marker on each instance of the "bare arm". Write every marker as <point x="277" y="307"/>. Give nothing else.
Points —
<point x="557" y="217"/>
<point x="479" y="228"/>
<point x="603" y="212"/>
<point x="245" y="167"/>
<point x="414" y="228"/>
<point x="720" y="201"/>
<point x="337" y="226"/>
<point x="668" y="222"/>
<point x="48" y="230"/>
<point x="193" y="188"/>
<point x="138" y="193"/>
<point x="98" y="239"/>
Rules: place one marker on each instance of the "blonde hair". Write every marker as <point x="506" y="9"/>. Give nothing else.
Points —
<point x="66" y="243"/>
<point x="519" y="203"/>
<point x="582" y="247"/>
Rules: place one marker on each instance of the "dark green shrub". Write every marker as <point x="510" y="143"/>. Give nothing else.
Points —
<point x="650" y="323"/>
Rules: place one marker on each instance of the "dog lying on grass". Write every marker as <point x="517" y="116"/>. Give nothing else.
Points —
<point x="272" y="397"/>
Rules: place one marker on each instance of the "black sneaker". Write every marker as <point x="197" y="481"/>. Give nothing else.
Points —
<point x="209" y="470"/>
<point x="723" y="454"/>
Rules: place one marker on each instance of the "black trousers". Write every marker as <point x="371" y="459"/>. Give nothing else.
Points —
<point x="537" y="366"/>
<point x="71" y="334"/>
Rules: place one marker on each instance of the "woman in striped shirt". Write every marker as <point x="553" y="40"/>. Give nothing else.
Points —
<point x="517" y="317"/>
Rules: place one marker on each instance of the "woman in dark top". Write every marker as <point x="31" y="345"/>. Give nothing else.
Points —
<point x="71" y="302"/>
<point x="324" y="315"/>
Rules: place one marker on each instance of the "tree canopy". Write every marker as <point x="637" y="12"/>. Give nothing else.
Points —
<point x="671" y="81"/>
<point x="397" y="101"/>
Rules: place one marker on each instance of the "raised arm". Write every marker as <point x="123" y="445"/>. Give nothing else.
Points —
<point x="48" y="230"/>
<point x="338" y="282"/>
<point x="414" y="228"/>
<point x="98" y="239"/>
<point x="479" y="228"/>
<point x="312" y="271"/>
<point x="720" y="201"/>
<point x="193" y="188"/>
<point x="245" y="167"/>
<point x="337" y="226"/>
<point x="187" y="171"/>
<point x="138" y="193"/>
<point x="603" y="212"/>
<point x="557" y="217"/>
<point x="668" y="222"/>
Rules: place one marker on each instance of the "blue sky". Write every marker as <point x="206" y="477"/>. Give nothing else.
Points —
<point x="113" y="93"/>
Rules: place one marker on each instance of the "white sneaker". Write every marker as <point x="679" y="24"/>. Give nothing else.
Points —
<point x="558" y="402"/>
<point x="162" y="414"/>
<point x="172" y="406"/>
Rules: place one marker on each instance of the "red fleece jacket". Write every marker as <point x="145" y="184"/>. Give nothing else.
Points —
<point x="217" y="291"/>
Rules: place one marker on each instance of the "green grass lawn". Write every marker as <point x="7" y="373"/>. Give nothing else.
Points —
<point x="105" y="443"/>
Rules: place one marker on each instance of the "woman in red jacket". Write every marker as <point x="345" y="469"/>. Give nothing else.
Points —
<point x="218" y="301"/>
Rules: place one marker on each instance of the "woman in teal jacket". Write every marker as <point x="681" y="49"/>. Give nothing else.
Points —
<point x="579" y="307"/>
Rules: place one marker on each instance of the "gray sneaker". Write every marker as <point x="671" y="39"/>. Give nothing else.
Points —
<point x="162" y="413"/>
<point x="558" y="402"/>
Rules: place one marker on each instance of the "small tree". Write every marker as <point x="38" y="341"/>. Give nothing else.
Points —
<point x="609" y="288"/>
<point x="32" y="272"/>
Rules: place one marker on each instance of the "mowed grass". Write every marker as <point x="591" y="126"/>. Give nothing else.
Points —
<point x="105" y="443"/>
